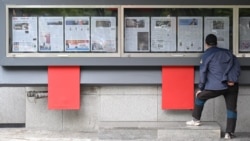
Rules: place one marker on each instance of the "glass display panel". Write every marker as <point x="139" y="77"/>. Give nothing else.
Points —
<point x="77" y="34"/>
<point x="103" y="34"/>
<point x="220" y="27"/>
<point x="137" y="34"/>
<point x="244" y="30"/>
<point x="24" y="33"/>
<point x="50" y="34"/>
<point x="163" y="35"/>
<point x="177" y="30"/>
<point x="67" y="30"/>
<point x="189" y="34"/>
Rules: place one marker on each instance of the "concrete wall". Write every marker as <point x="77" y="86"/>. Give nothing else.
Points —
<point x="12" y="101"/>
<point x="110" y="103"/>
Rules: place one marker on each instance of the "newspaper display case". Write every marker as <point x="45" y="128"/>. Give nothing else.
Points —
<point x="242" y="48"/>
<point x="174" y="31"/>
<point x="120" y="34"/>
<point x="62" y="31"/>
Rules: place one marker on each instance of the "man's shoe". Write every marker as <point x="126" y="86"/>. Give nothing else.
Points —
<point x="229" y="136"/>
<point x="193" y="123"/>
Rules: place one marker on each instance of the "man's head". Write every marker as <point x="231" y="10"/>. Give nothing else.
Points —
<point x="211" y="40"/>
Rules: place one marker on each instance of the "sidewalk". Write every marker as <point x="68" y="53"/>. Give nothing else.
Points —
<point x="23" y="134"/>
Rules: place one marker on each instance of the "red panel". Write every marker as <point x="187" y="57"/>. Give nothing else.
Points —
<point x="177" y="87"/>
<point x="63" y="87"/>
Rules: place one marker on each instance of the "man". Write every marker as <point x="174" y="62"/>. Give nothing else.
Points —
<point x="232" y="97"/>
<point x="218" y="76"/>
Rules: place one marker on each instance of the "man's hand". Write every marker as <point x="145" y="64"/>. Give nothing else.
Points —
<point x="230" y="83"/>
<point x="197" y="93"/>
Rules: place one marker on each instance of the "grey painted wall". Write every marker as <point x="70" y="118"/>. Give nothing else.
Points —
<point x="30" y="76"/>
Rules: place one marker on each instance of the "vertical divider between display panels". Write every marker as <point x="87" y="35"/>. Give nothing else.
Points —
<point x="7" y="30"/>
<point x="119" y="33"/>
<point x="122" y="31"/>
<point x="236" y="30"/>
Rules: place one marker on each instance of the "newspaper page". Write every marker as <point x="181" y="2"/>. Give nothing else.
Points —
<point x="244" y="34"/>
<point x="51" y="34"/>
<point x="77" y="33"/>
<point x="218" y="26"/>
<point x="24" y="33"/>
<point x="137" y="34"/>
<point x="103" y="34"/>
<point x="190" y="34"/>
<point x="163" y="34"/>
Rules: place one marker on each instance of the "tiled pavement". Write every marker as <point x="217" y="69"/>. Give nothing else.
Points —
<point x="23" y="134"/>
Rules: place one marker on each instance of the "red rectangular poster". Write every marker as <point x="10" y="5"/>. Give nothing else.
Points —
<point x="177" y="87"/>
<point x="63" y="87"/>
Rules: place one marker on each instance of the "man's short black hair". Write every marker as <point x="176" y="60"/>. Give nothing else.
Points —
<point x="211" y="40"/>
